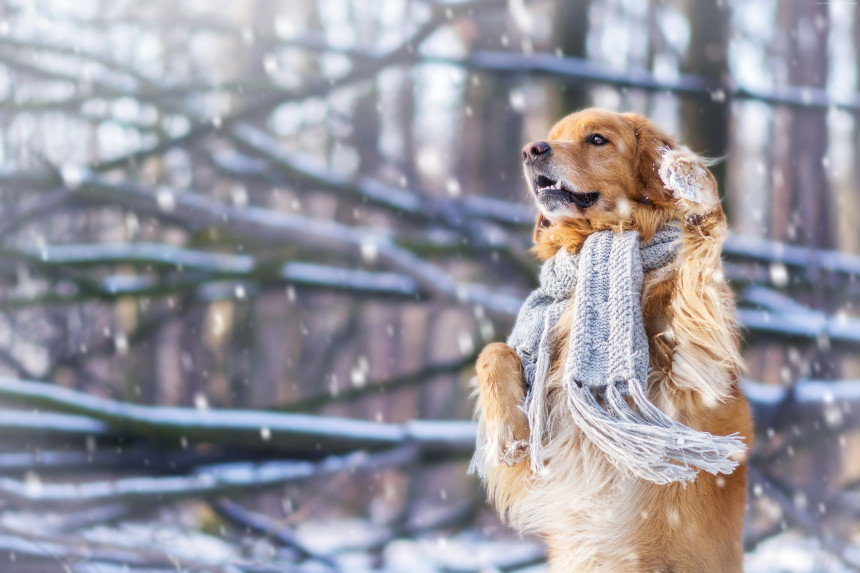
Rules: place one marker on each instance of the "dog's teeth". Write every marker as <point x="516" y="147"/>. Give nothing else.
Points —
<point x="556" y="186"/>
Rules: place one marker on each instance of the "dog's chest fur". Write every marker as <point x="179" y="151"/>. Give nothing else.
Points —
<point x="582" y="494"/>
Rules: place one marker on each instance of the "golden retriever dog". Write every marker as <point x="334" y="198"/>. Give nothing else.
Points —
<point x="601" y="170"/>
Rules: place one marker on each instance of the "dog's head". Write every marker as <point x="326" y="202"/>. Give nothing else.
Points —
<point x="597" y="169"/>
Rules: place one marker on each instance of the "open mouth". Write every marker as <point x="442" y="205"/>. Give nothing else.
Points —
<point x="546" y="186"/>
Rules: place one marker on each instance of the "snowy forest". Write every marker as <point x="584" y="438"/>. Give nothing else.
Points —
<point x="251" y="249"/>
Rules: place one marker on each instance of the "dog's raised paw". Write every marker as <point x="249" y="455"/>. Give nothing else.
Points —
<point x="685" y="175"/>
<point x="515" y="452"/>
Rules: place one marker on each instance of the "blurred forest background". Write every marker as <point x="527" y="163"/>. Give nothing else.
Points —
<point x="250" y="250"/>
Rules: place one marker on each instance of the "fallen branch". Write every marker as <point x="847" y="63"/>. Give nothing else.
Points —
<point x="72" y="413"/>
<point x="206" y="288"/>
<point x="269" y="528"/>
<point x="135" y="457"/>
<point x="48" y="425"/>
<point x="296" y="434"/>
<point x="206" y="481"/>
<point x="415" y="280"/>
<point x="266" y="225"/>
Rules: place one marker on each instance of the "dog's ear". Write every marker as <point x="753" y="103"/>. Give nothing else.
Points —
<point x="651" y="144"/>
<point x="540" y="224"/>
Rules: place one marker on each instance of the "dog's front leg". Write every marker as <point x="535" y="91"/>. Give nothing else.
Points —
<point x="706" y="357"/>
<point x="503" y="430"/>
<point x="501" y="390"/>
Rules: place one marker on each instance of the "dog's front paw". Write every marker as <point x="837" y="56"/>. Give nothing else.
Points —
<point x="515" y="452"/>
<point x="686" y="176"/>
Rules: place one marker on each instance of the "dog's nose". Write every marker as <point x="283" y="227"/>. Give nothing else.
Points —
<point x="535" y="149"/>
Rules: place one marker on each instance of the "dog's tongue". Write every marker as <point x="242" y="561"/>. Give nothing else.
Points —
<point x="583" y="200"/>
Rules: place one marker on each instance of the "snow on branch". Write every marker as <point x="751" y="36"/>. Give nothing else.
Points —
<point x="209" y="480"/>
<point x="799" y="257"/>
<point x="578" y="70"/>
<point x="48" y="425"/>
<point x="783" y="315"/>
<point x="777" y="315"/>
<point x="96" y="452"/>
<point x="297" y="434"/>
<point x="144" y="253"/>
<point x="268" y="225"/>
<point x="77" y="413"/>
<point x="189" y="264"/>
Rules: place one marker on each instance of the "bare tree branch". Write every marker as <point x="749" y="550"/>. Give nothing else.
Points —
<point x="270" y="528"/>
<point x="577" y="71"/>
<point x="258" y="430"/>
<point x="204" y="481"/>
<point x="380" y="387"/>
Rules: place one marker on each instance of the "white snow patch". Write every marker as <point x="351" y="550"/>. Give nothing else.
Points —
<point x="178" y="543"/>
<point x="792" y="553"/>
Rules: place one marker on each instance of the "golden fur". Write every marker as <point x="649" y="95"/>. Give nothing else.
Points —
<point x="593" y="516"/>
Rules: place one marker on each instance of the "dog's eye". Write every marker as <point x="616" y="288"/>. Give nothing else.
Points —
<point x="596" y="139"/>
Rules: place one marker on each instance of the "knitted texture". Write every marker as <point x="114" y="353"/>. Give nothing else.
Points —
<point x="607" y="360"/>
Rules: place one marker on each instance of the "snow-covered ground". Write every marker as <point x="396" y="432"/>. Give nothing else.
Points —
<point x="353" y="543"/>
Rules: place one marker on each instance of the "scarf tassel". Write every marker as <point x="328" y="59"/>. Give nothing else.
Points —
<point x="536" y="400"/>
<point x="649" y="443"/>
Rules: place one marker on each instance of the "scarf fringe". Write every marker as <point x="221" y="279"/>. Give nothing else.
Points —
<point x="537" y="410"/>
<point x="650" y="444"/>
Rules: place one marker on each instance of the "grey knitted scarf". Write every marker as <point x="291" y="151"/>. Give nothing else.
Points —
<point x="607" y="360"/>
